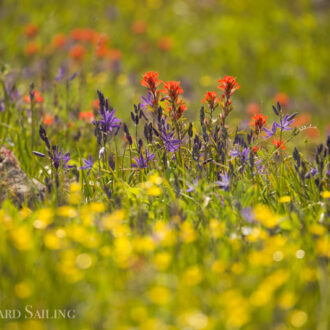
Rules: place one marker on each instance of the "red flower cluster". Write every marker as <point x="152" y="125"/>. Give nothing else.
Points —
<point x="151" y="81"/>
<point x="59" y="40"/>
<point x="36" y="98"/>
<point x="258" y="121"/>
<point x="87" y="116"/>
<point x="212" y="99"/>
<point x="228" y="85"/>
<point x="173" y="90"/>
<point x="31" y="30"/>
<point x="279" y="144"/>
<point x="180" y="110"/>
<point x="77" y="52"/>
<point x="48" y="119"/>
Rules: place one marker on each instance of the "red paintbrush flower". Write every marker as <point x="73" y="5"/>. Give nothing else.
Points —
<point x="87" y="116"/>
<point x="180" y="110"/>
<point x="77" y="52"/>
<point x="211" y="98"/>
<point x="31" y="48"/>
<point x="31" y="30"/>
<point x="258" y="122"/>
<point x="48" y="120"/>
<point x="59" y="40"/>
<point x="228" y="85"/>
<point x="139" y="27"/>
<point x="151" y="81"/>
<point x="36" y="98"/>
<point x="253" y="108"/>
<point x="282" y="98"/>
<point x="279" y="144"/>
<point x="172" y="89"/>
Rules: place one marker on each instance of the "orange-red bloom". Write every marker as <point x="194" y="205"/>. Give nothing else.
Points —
<point x="77" y="52"/>
<point x="151" y="81"/>
<point x="48" y="120"/>
<point x="211" y="98"/>
<point x="172" y="89"/>
<point x="114" y="54"/>
<point x="139" y="27"/>
<point x="165" y="43"/>
<point x="100" y="39"/>
<point x="258" y="122"/>
<point x="229" y="85"/>
<point x="88" y="116"/>
<point x="279" y="144"/>
<point x="101" y="50"/>
<point x="302" y="119"/>
<point x="255" y="149"/>
<point x="312" y="132"/>
<point x="83" y="34"/>
<point x="180" y="110"/>
<point x="59" y="40"/>
<point x="253" y="108"/>
<point x="282" y="98"/>
<point x="96" y="104"/>
<point x="31" y="30"/>
<point x="31" y="48"/>
<point x="37" y="98"/>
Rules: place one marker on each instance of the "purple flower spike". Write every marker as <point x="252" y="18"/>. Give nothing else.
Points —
<point x="88" y="164"/>
<point x="60" y="74"/>
<point x="146" y="101"/>
<point x="170" y="144"/>
<point x="311" y="173"/>
<point x="59" y="158"/>
<point x="224" y="182"/>
<point x="2" y="106"/>
<point x="248" y="215"/>
<point x="271" y="132"/>
<point x="285" y="123"/>
<point x="39" y="154"/>
<point x="109" y="121"/>
<point x="192" y="187"/>
<point x="141" y="162"/>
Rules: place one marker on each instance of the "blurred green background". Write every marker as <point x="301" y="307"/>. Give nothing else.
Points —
<point x="271" y="47"/>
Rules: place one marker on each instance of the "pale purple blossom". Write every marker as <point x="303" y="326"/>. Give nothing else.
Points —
<point x="88" y="164"/>
<point x="141" y="162"/>
<point x="224" y="181"/>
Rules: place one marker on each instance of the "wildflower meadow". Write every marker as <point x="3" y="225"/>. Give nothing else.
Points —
<point x="164" y="165"/>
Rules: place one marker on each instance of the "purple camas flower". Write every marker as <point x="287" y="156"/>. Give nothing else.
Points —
<point x="248" y="215"/>
<point x="285" y="122"/>
<point x="60" y="74"/>
<point x="12" y="94"/>
<point x="146" y="101"/>
<point x="88" y="164"/>
<point x="141" y="162"/>
<point x="313" y="171"/>
<point x="241" y="153"/>
<point x="170" y="144"/>
<point x="59" y="158"/>
<point x="272" y="131"/>
<point x="192" y="187"/>
<point x="283" y="125"/>
<point x="109" y="121"/>
<point x="224" y="181"/>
